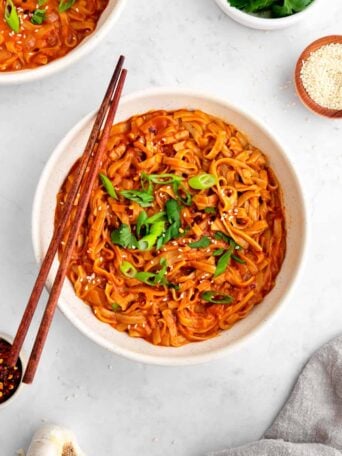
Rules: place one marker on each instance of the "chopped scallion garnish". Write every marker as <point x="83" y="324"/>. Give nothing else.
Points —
<point x="202" y="181"/>
<point x="108" y="185"/>
<point x="116" y="307"/>
<point x="210" y="210"/>
<point x="142" y="197"/>
<point x="238" y="259"/>
<point x="127" y="269"/>
<point x="162" y="179"/>
<point x="216" y="297"/>
<point x="38" y="16"/>
<point x="11" y="16"/>
<point x="64" y="5"/>
<point x="201" y="243"/>
<point x="223" y="262"/>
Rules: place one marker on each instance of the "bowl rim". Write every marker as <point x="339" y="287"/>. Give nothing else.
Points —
<point x="22" y="357"/>
<point x="164" y="360"/>
<point x="82" y="49"/>
<point x="303" y="95"/>
<point x="271" y="22"/>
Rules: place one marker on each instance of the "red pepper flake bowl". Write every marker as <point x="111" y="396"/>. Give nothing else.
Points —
<point x="10" y="377"/>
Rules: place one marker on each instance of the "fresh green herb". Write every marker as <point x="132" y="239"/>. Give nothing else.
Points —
<point x="148" y="241"/>
<point x="201" y="243"/>
<point x="127" y="269"/>
<point x="162" y="179"/>
<point x="124" y="237"/>
<point x="142" y="197"/>
<point x="160" y="276"/>
<point x="238" y="259"/>
<point x="218" y="252"/>
<point x="219" y="235"/>
<point x="223" y="262"/>
<point x="274" y="8"/>
<point x="41" y="2"/>
<point x="141" y="221"/>
<point x="202" y="181"/>
<point x="173" y="210"/>
<point x="182" y="195"/>
<point x="64" y="5"/>
<point x="107" y="183"/>
<point x="156" y="217"/>
<point x="146" y="277"/>
<point x="216" y="298"/>
<point x="11" y="16"/>
<point x="38" y="16"/>
<point x="210" y="210"/>
<point x="289" y="7"/>
<point x="154" y="279"/>
<point x="116" y="307"/>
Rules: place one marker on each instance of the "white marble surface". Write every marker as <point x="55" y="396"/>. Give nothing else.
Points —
<point x="117" y="407"/>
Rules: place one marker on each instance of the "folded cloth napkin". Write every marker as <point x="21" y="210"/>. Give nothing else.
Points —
<point x="310" y="424"/>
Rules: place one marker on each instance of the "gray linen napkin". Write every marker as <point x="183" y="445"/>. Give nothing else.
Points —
<point x="310" y="424"/>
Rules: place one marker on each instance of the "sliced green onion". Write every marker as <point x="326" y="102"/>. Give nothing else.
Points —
<point x="182" y="194"/>
<point x="146" y="277"/>
<point x="143" y="198"/>
<point x="216" y="298"/>
<point x="160" y="276"/>
<point x="38" y="16"/>
<point x="238" y="259"/>
<point x="219" y="235"/>
<point x="163" y="179"/>
<point x="156" y="217"/>
<point x="11" y="16"/>
<point x="41" y="2"/>
<point x="108" y="185"/>
<point x="124" y="237"/>
<point x="148" y="241"/>
<point x="202" y="181"/>
<point x="116" y="307"/>
<point x="218" y="252"/>
<point x="223" y="262"/>
<point x="141" y="221"/>
<point x="128" y="270"/>
<point x="210" y="210"/>
<point x="64" y="5"/>
<point x="201" y="243"/>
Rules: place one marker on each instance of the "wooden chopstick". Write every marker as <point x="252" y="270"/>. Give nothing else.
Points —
<point x="59" y="229"/>
<point x="110" y="102"/>
<point x="81" y="208"/>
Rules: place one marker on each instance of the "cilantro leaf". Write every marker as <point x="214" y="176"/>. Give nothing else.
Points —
<point x="124" y="237"/>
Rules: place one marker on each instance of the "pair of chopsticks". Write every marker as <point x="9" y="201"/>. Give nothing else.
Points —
<point x="88" y="170"/>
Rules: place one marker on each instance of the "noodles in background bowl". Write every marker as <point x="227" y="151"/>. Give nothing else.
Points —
<point x="185" y="230"/>
<point x="45" y="30"/>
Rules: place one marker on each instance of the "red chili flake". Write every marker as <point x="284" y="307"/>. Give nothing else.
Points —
<point x="10" y="377"/>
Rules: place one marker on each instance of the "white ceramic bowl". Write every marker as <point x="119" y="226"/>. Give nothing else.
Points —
<point x="256" y="22"/>
<point x="23" y="360"/>
<point x="70" y="148"/>
<point x="108" y="17"/>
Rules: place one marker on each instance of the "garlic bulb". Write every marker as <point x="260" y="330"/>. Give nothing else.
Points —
<point x="51" y="440"/>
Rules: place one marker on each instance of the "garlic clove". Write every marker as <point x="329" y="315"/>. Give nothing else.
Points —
<point x="52" y="440"/>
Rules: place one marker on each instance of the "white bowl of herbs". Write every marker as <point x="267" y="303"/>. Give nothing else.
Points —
<point x="268" y="14"/>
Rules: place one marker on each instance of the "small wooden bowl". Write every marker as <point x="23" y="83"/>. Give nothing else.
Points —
<point x="302" y="93"/>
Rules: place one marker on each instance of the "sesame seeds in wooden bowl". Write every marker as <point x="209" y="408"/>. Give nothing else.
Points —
<point x="318" y="76"/>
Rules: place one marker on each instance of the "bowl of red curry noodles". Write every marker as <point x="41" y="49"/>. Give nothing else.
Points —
<point x="195" y="231"/>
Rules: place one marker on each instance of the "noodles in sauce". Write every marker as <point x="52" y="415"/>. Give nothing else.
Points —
<point x="36" y="32"/>
<point x="185" y="229"/>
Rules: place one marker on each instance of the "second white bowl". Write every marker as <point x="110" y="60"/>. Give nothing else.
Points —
<point x="261" y="23"/>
